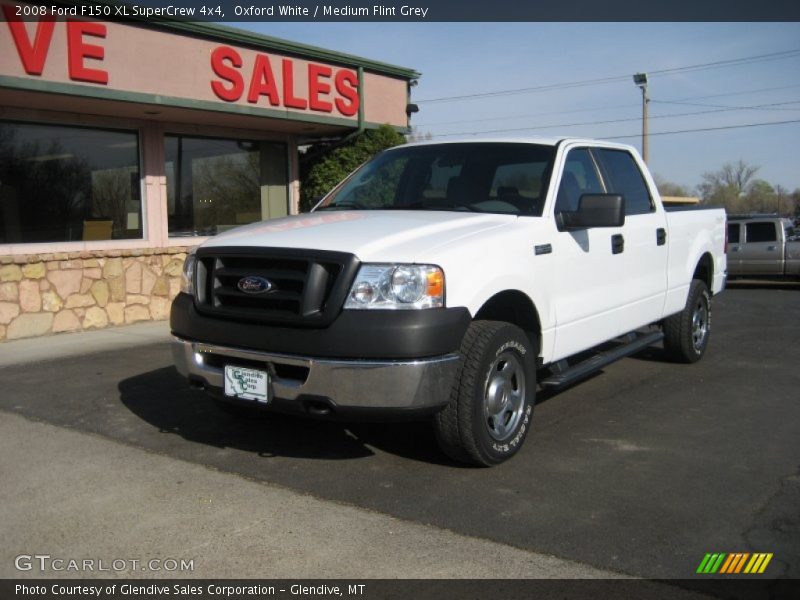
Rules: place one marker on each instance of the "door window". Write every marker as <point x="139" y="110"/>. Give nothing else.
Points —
<point x="733" y="233"/>
<point x="624" y="177"/>
<point x="761" y="232"/>
<point x="579" y="177"/>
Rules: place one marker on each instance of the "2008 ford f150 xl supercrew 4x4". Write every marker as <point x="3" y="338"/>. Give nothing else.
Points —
<point x="445" y="279"/>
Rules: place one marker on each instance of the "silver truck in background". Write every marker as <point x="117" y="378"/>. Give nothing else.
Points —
<point x="762" y="246"/>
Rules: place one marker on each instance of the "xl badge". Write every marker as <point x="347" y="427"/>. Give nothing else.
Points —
<point x="254" y="285"/>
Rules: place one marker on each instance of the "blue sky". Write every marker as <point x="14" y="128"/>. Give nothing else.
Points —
<point x="468" y="58"/>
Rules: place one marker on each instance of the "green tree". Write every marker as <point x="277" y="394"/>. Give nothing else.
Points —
<point x="761" y="197"/>
<point x="667" y="188"/>
<point x="324" y="165"/>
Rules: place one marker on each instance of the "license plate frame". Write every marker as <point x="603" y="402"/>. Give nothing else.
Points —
<point x="247" y="383"/>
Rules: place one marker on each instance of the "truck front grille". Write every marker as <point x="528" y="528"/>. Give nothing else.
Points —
<point x="304" y="287"/>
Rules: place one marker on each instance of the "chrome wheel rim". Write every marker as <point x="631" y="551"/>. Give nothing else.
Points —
<point x="699" y="324"/>
<point x="504" y="396"/>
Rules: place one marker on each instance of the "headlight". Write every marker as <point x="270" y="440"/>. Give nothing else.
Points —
<point x="187" y="277"/>
<point x="397" y="287"/>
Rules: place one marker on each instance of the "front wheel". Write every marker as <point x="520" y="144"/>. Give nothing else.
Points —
<point x="491" y="403"/>
<point x="686" y="333"/>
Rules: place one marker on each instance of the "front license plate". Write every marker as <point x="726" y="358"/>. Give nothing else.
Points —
<point x="250" y="384"/>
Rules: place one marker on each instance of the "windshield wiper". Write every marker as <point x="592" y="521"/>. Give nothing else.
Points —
<point x="423" y="206"/>
<point x="344" y="207"/>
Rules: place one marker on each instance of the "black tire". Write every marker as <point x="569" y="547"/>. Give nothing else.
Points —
<point x="686" y="333"/>
<point x="491" y="403"/>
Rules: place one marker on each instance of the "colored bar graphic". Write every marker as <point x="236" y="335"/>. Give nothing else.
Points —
<point x="764" y="564"/>
<point x="730" y="564"/>
<point x="734" y="563"/>
<point x="703" y="563"/>
<point x="755" y="562"/>
<point x="727" y="564"/>
<point x="717" y="563"/>
<point x="740" y="564"/>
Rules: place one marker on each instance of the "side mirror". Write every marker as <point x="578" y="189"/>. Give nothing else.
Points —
<point x="596" y="210"/>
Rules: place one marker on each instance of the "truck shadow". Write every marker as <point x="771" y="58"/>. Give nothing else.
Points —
<point x="162" y="399"/>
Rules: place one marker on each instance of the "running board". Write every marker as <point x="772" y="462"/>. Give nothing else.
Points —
<point x="570" y="374"/>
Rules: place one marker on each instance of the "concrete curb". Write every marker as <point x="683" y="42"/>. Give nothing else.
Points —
<point x="75" y="495"/>
<point x="86" y="342"/>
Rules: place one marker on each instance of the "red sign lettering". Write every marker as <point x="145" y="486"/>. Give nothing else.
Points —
<point x="289" y="99"/>
<point x="263" y="82"/>
<point x="317" y="87"/>
<point x="347" y="86"/>
<point x="322" y="96"/>
<point x="78" y="51"/>
<point x="228" y="73"/>
<point x="32" y="54"/>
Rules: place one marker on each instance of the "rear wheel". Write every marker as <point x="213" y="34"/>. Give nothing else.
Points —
<point x="686" y="333"/>
<point x="491" y="403"/>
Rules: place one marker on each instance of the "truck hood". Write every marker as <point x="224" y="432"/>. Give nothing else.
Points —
<point x="372" y="235"/>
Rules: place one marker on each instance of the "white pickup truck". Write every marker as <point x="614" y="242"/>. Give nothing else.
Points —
<point x="448" y="280"/>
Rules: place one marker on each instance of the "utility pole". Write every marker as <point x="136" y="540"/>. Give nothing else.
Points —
<point x="640" y="79"/>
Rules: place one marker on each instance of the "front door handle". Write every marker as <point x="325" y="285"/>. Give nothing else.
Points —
<point x="771" y="248"/>
<point x="617" y="243"/>
<point x="661" y="236"/>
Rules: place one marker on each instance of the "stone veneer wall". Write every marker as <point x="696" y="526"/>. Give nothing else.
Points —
<point x="51" y="293"/>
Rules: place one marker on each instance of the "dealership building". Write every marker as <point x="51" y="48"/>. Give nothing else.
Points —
<point x="124" y="144"/>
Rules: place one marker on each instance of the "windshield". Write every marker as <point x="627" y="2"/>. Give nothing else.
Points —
<point x="503" y="178"/>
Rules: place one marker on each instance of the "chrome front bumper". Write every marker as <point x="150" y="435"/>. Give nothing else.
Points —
<point x="367" y="384"/>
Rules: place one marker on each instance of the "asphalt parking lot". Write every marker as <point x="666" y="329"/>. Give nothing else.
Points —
<point x="640" y="470"/>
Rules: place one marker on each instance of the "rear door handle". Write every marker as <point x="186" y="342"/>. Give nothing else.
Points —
<point x="661" y="236"/>
<point x="617" y="243"/>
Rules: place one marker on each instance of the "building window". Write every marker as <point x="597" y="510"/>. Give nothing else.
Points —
<point x="66" y="184"/>
<point x="215" y="184"/>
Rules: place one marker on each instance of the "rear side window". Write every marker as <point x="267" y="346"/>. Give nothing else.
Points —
<point x="733" y="233"/>
<point x="624" y="177"/>
<point x="761" y="232"/>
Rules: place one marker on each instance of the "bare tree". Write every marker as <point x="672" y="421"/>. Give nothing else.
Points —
<point x="418" y="136"/>
<point x="111" y="190"/>
<point x="733" y="179"/>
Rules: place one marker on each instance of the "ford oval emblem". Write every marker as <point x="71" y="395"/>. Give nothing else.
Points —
<point x="254" y="285"/>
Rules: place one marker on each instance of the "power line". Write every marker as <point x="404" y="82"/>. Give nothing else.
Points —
<point x="730" y="62"/>
<point x="542" y="88"/>
<point x="774" y="106"/>
<point x="599" y="108"/>
<point x="604" y="80"/>
<point x="610" y="121"/>
<point x="636" y="135"/>
<point x="545" y="114"/>
<point x="739" y="93"/>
